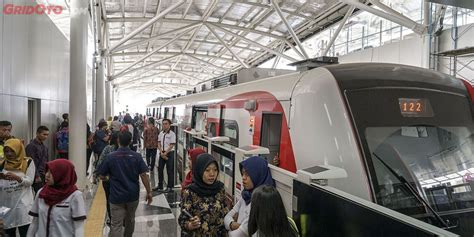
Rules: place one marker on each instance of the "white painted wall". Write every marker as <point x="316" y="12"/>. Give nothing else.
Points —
<point x="408" y="52"/>
<point x="34" y="63"/>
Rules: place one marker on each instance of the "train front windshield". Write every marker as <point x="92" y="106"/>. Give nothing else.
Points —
<point x="419" y="148"/>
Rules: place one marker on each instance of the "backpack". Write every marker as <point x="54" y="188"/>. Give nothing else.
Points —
<point x="62" y="139"/>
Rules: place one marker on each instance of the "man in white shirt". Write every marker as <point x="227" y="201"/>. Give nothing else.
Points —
<point x="166" y="144"/>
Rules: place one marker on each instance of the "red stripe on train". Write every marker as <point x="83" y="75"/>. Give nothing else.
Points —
<point x="266" y="102"/>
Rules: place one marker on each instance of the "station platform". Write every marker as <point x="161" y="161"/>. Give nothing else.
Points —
<point x="158" y="219"/>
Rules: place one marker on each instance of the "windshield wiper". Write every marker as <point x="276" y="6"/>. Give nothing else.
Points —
<point x="417" y="195"/>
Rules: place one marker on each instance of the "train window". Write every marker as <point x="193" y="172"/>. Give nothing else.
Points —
<point x="199" y="118"/>
<point x="201" y="121"/>
<point x="271" y="134"/>
<point x="230" y="129"/>
<point x="438" y="157"/>
<point x="212" y="129"/>
<point x="173" y="115"/>
<point x="167" y="111"/>
<point x="432" y="154"/>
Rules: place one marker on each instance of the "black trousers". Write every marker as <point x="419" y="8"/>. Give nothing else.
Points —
<point x="23" y="230"/>
<point x="106" y="185"/>
<point x="151" y="158"/>
<point x="169" y="169"/>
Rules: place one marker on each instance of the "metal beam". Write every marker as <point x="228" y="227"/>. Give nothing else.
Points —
<point x="189" y="77"/>
<point x="156" y="37"/>
<point x="290" y="29"/>
<point x="405" y="21"/>
<point x="339" y="28"/>
<point x="174" y="53"/>
<point x="285" y="11"/>
<point x="206" y="42"/>
<point x="187" y="21"/>
<point x="277" y="59"/>
<point x="207" y="63"/>
<point x="147" y="24"/>
<point x="151" y="53"/>
<point x="180" y="70"/>
<point x="153" y="27"/>
<point x="131" y="80"/>
<point x="135" y="80"/>
<point x="227" y="47"/>
<point x="252" y="42"/>
<point x="392" y="11"/>
<point x="143" y="67"/>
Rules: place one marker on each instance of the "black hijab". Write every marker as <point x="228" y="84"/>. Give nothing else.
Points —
<point x="199" y="186"/>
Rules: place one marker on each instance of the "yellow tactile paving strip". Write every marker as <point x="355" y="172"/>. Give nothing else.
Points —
<point x="94" y="225"/>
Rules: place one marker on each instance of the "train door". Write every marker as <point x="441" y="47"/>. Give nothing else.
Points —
<point x="167" y="112"/>
<point x="271" y="134"/>
<point x="214" y="118"/>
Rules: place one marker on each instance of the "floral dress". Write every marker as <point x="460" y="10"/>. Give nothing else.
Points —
<point x="210" y="210"/>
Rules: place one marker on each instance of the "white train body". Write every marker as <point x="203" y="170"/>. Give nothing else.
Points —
<point x="336" y="115"/>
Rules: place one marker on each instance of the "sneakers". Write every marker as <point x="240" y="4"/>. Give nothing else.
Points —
<point x="161" y="190"/>
<point x="158" y="189"/>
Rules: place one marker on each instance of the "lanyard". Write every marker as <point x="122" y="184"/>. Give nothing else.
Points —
<point x="164" y="138"/>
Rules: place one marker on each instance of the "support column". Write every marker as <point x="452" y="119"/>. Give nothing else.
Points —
<point x="78" y="90"/>
<point x="112" y="105"/>
<point x="426" y="53"/>
<point x="108" y="99"/>
<point x="100" y="93"/>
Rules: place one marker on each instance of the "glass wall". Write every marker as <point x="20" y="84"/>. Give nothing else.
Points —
<point x="365" y="30"/>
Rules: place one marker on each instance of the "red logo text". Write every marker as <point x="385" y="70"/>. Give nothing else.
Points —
<point x="12" y="9"/>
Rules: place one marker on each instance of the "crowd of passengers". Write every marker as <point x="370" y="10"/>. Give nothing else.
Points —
<point x="43" y="198"/>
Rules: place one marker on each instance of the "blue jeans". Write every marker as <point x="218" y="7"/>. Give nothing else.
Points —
<point x="169" y="169"/>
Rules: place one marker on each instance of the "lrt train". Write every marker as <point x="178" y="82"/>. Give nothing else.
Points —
<point x="388" y="126"/>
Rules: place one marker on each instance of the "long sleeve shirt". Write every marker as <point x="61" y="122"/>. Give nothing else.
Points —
<point x="243" y="211"/>
<point x="210" y="211"/>
<point x="39" y="153"/>
<point x="18" y="197"/>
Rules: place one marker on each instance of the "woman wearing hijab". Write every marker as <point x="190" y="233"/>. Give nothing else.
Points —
<point x="16" y="178"/>
<point x="193" y="154"/>
<point x="203" y="201"/>
<point x="58" y="209"/>
<point x="255" y="172"/>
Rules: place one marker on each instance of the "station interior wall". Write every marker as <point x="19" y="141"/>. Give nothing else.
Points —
<point x="34" y="66"/>
<point x="408" y="51"/>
